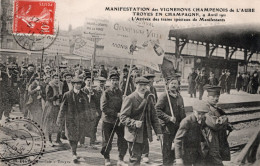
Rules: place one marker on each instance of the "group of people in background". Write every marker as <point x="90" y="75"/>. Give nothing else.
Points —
<point x="65" y="101"/>
<point x="197" y="79"/>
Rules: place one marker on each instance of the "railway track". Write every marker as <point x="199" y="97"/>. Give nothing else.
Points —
<point x="241" y="118"/>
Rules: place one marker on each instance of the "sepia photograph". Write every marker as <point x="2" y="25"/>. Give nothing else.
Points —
<point x="129" y="82"/>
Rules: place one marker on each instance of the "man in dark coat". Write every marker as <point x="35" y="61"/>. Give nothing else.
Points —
<point x="138" y="115"/>
<point x="192" y="84"/>
<point x="188" y="138"/>
<point x="221" y="81"/>
<point x="5" y="105"/>
<point x="201" y="80"/>
<point x="216" y="129"/>
<point x="239" y="81"/>
<point x="74" y="108"/>
<point x="123" y="81"/>
<point x="170" y="123"/>
<point x="66" y="86"/>
<point x="102" y="72"/>
<point x="110" y="105"/>
<point x="228" y="82"/>
<point x="255" y="82"/>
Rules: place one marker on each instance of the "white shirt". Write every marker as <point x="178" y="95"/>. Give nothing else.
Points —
<point x="76" y="91"/>
<point x="70" y="86"/>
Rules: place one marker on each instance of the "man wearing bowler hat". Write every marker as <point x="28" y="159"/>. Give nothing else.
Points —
<point x="170" y="123"/>
<point x="74" y="108"/>
<point x="138" y="115"/>
<point x="216" y="129"/>
<point x="110" y="105"/>
<point x="189" y="137"/>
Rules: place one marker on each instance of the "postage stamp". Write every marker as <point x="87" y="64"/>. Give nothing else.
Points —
<point x="34" y="26"/>
<point x="22" y="142"/>
<point x="34" y="17"/>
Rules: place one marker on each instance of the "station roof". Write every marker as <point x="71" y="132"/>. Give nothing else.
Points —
<point x="246" y="36"/>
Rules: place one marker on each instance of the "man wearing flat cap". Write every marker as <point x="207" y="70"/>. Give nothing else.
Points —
<point x="74" y="113"/>
<point x="189" y="137"/>
<point x="170" y="123"/>
<point x="216" y="129"/>
<point x="138" y="115"/>
<point x="110" y="105"/>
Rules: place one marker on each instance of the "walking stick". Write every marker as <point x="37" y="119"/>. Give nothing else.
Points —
<point x="111" y="135"/>
<point x="117" y="120"/>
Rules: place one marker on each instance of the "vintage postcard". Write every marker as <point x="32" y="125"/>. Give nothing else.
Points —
<point x="128" y="82"/>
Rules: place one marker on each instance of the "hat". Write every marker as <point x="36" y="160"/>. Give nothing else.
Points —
<point x="54" y="74"/>
<point x="77" y="80"/>
<point x="212" y="90"/>
<point x="88" y="75"/>
<point x="125" y="70"/>
<point x="67" y="74"/>
<point x="102" y="79"/>
<point x="147" y="76"/>
<point x="174" y="76"/>
<point x="141" y="80"/>
<point x="114" y="75"/>
<point x="201" y="107"/>
<point x="24" y="66"/>
<point x="31" y="65"/>
<point x="62" y="66"/>
<point x="47" y="67"/>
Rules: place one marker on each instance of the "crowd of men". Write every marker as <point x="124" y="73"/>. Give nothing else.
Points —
<point x="65" y="101"/>
<point x="197" y="79"/>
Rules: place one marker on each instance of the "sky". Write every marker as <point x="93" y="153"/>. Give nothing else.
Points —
<point x="74" y="12"/>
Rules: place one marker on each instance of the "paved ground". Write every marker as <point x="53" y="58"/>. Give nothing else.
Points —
<point x="61" y="155"/>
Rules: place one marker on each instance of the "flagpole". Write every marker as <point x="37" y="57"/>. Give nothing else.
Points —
<point x="92" y="66"/>
<point x="128" y="78"/>
<point x="166" y="91"/>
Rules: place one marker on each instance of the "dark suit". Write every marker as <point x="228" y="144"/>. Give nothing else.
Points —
<point x="110" y="105"/>
<point x="136" y="108"/>
<point x="169" y="128"/>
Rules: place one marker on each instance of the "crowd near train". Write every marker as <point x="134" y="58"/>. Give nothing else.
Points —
<point x="69" y="104"/>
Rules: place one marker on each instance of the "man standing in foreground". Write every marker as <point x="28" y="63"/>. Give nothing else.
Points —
<point x="74" y="108"/>
<point x="170" y="123"/>
<point x="188" y="138"/>
<point x="110" y="105"/>
<point x="216" y="127"/>
<point x="138" y="115"/>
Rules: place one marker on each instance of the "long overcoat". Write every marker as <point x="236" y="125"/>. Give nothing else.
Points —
<point x="74" y="111"/>
<point x="192" y="83"/>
